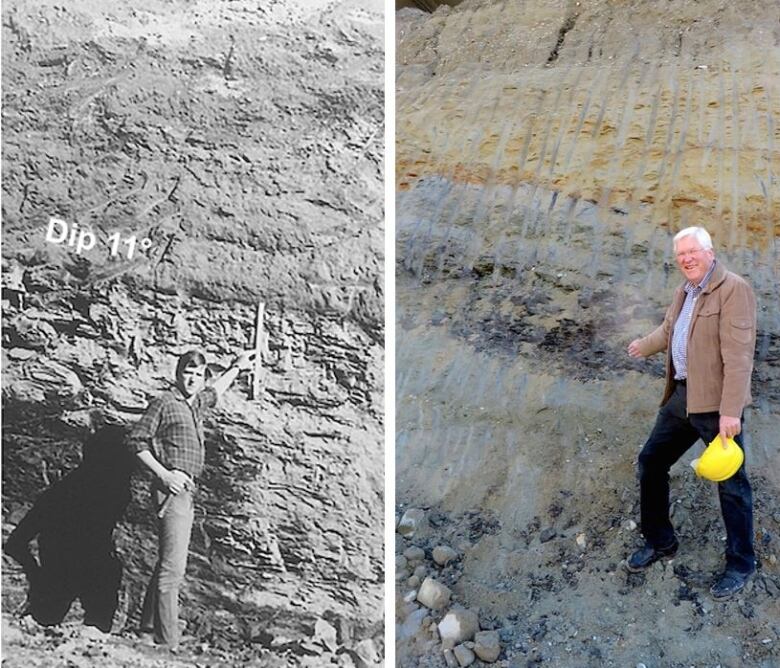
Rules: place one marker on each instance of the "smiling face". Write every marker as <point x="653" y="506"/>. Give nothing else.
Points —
<point x="192" y="380"/>
<point x="692" y="259"/>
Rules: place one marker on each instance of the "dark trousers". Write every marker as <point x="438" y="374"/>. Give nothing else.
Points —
<point x="673" y="434"/>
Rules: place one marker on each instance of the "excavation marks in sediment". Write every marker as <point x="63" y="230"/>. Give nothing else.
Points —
<point x="696" y="144"/>
<point x="539" y="273"/>
<point x="535" y="206"/>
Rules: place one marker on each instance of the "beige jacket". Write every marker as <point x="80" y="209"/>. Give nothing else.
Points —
<point x="721" y="344"/>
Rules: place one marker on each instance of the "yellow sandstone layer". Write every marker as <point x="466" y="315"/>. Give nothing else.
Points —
<point x="685" y="143"/>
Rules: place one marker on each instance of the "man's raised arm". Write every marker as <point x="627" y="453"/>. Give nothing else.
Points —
<point x="243" y="360"/>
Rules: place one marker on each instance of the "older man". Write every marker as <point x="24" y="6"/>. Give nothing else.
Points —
<point x="168" y="441"/>
<point x="709" y="333"/>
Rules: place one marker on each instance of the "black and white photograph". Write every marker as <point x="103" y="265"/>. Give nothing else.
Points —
<point x="193" y="333"/>
<point x="586" y="226"/>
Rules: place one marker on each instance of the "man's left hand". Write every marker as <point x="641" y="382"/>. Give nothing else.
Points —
<point x="729" y="428"/>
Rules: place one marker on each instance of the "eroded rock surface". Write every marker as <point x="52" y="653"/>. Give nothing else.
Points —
<point x="242" y="146"/>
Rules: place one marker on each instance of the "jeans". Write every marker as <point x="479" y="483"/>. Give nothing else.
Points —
<point x="160" y="611"/>
<point x="673" y="434"/>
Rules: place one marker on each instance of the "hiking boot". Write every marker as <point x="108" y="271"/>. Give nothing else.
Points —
<point x="89" y="632"/>
<point x="647" y="555"/>
<point x="145" y="637"/>
<point x="728" y="584"/>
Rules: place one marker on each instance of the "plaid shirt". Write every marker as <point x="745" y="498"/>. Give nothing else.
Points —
<point x="683" y="324"/>
<point x="173" y="430"/>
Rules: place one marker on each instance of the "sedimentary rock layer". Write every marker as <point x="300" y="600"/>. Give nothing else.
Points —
<point x="546" y="155"/>
<point x="241" y="146"/>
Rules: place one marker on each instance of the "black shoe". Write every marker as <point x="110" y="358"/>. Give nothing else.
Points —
<point x="646" y="556"/>
<point x="729" y="584"/>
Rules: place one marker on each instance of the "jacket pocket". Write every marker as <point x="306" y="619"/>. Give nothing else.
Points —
<point x="706" y="326"/>
<point x="742" y="330"/>
<point x="709" y="309"/>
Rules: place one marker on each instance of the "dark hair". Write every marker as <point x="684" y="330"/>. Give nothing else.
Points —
<point x="190" y="358"/>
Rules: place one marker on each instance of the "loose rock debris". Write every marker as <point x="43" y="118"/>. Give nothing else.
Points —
<point x="556" y="602"/>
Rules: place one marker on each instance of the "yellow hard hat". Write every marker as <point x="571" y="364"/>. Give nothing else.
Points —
<point x="718" y="463"/>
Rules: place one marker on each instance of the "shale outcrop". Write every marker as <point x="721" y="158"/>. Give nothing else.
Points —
<point x="240" y="148"/>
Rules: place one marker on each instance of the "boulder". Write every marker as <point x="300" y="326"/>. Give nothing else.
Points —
<point x="464" y="656"/>
<point x="443" y="554"/>
<point x="366" y="654"/>
<point x="412" y="625"/>
<point x="458" y="625"/>
<point x="414" y="553"/>
<point x="449" y="659"/>
<point x="433" y="594"/>
<point x="325" y="633"/>
<point x="487" y="646"/>
<point x="411" y="521"/>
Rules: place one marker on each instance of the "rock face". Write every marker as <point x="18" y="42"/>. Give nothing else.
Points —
<point x="546" y="154"/>
<point x="236" y="151"/>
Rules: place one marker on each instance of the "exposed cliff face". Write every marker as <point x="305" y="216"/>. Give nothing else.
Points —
<point x="244" y="143"/>
<point x="546" y="154"/>
<point x="675" y="127"/>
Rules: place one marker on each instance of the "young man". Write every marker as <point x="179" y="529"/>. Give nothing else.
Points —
<point x="168" y="440"/>
<point x="709" y="333"/>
